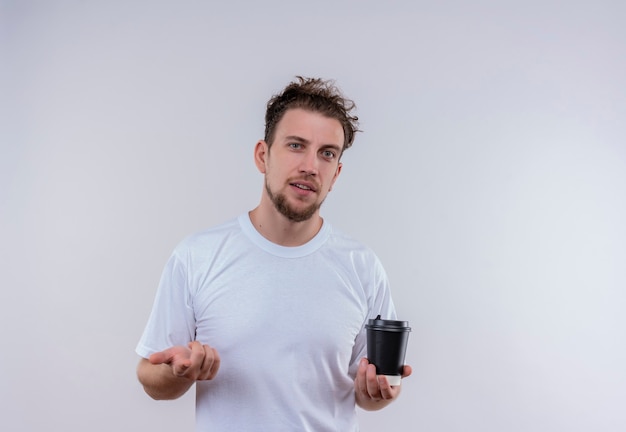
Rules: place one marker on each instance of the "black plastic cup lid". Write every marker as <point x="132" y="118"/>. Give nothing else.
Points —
<point x="389" y="325"/>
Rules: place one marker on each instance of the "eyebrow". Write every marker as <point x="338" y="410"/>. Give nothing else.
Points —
<point x="296" y="138"/>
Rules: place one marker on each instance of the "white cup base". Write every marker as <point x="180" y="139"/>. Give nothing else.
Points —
<point x="394" y="380"/>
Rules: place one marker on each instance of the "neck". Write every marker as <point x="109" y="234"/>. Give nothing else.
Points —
<point x="278" y="229"/>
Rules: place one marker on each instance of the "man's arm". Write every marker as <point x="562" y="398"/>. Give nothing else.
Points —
<point x="159" y="382"/>
<point x="373" y="392"/>
<point x="169" y="374"/>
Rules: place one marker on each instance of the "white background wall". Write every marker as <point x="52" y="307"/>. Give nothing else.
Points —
<point x="490" y="178"/>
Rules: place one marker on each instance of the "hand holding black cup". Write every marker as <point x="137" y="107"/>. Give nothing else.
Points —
<point x="386" y="347"/>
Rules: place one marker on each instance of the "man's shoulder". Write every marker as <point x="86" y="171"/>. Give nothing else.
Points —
<point x="341" y="237"/>
<point x="345" y="242"/>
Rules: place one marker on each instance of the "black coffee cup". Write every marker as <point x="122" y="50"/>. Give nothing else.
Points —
<point x="386" y="347"/>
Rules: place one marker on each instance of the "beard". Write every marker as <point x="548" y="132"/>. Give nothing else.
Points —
<point x="280" y="203"/>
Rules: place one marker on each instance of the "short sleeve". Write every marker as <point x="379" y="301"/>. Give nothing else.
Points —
<point x="172" y="320"/>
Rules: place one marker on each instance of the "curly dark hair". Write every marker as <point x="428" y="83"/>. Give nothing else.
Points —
<point x="317" y="95"/>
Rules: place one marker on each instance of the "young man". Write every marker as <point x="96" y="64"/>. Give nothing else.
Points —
<point x="266" y="313"/>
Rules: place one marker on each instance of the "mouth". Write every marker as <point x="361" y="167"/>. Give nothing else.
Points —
<point x="305" y="186"/>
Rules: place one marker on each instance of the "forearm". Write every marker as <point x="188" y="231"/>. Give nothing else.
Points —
<point x="159" y="381"/>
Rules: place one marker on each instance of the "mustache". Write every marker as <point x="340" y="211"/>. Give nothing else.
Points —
<point x="306" y="179"/>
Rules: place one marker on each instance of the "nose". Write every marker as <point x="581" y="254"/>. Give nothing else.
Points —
<point x="309" y="163"/>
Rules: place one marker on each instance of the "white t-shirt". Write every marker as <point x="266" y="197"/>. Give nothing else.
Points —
<point x="287" y="322"/>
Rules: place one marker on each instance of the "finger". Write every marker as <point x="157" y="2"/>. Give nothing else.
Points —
<point x="371" y="380"/>
<point x="210" y="364"/>
<point x="192" y="366"/>
<point x="215" y="365"/>
<point x="180" y="368"/>
<point x="161" y="357"/>
<point x="386" y="390"/>
<point x="197" y="353"/>
<point x="207" y="362"/>
<point x="360" y="383"/>
<point x="407" y="371"/>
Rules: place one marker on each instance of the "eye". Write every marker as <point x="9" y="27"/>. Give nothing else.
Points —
<point x="295" y="145"/>
<point x="328" y="154"/>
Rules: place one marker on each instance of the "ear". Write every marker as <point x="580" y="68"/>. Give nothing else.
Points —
<point x="339" y="166"/>
<point x="261" y="150"/>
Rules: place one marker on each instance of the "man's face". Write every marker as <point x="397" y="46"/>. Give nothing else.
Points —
<point x="302" y="164"/>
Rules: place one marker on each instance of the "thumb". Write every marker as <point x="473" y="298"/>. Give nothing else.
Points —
<point x="408" y="370"/>
<point x="162" y="357"/>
